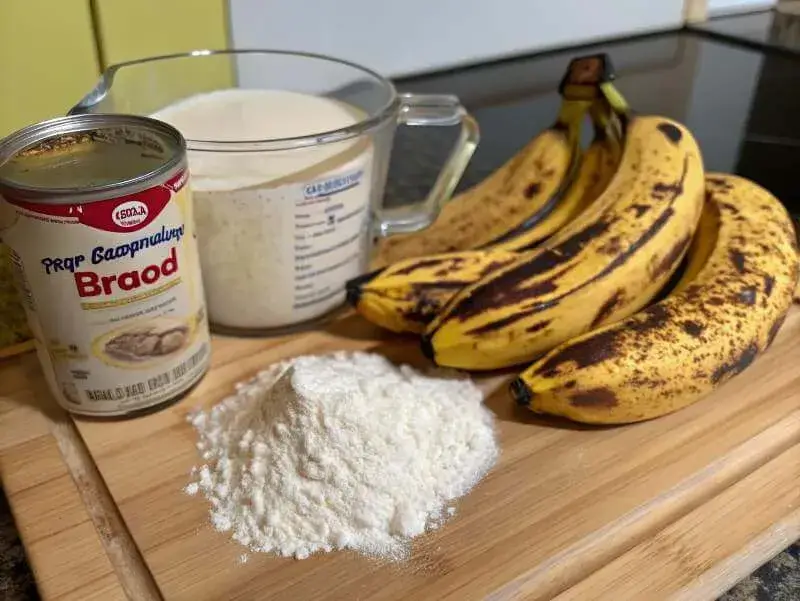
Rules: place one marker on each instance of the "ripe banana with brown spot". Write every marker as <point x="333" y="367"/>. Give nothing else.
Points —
<point x="605" y="265"/>
<point x="525" y="189"/>
<point x="407" y="295"/>
<point x="596" y="169"/>
<point x="726" y="310"/>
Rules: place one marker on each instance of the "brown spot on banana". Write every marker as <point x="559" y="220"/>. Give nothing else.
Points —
<point x="662" y="191"/>
<point x="769" y="284"/>
<point x="774" y="329"/>
<point x="590" y="351"/>
<point x="671" y="191"/>
<point x="721" y="184"/>
<point x="428" y="263"/>
<point x="736" y="365"/>
<point x="514" y="295"/>
<point x="504" y="290"/>
<point x="494" y="266"/>
<point x="729" y="207"/>
<point x="747" y="296"/>
<point x="423" y="311"/>
<point x="649" y="319"/>
<point x="672" y="133"/>
<point x="612" y="247"/>
<point x="644" y="382"/>
<point x="570" y="247"/>
<point x="537" y="327"/>
<point x="692" y="292"/>
<point x="595" y="397"/>
<point x="693" y="328"/>
<point x="607" y="308"/>
<point x="737" y="258"/>
<point x="640" y="209"/>
<point x="453" y="285"/>
<point x="541" y="288"/>
<point x="532" y="190"/>
<point x="500" y="323"/>
<point x="428" y="298"/>
<point x="646" y="236"/>
<point x="674" y="255"/>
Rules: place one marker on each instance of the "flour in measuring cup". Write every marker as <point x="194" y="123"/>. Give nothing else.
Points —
<point x="279" y="232"/>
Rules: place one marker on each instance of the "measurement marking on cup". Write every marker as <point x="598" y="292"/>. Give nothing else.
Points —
<point x="330" y="249"/>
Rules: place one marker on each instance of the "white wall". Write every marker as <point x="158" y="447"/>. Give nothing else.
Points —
<point x="412" y="36"/>
<point x="720" y="7"/>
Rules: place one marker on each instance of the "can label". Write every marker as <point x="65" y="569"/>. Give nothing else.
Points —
<point x="114" y="295"/>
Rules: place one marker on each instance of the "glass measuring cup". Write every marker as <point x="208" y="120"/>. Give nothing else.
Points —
<point x="289" y="154"/>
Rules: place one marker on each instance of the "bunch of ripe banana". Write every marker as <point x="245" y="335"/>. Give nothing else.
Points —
<point x="579" y="299"/>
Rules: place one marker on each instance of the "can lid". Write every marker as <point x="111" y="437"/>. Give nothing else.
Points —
<point x="82" y="158"/>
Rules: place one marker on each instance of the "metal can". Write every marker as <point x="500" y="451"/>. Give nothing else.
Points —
<point x="97" y="214"/>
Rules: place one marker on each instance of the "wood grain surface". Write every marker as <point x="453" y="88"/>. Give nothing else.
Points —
<point x="679" y="507"/>
<point x="62" y="543"/>
<point x="16" y="349"/>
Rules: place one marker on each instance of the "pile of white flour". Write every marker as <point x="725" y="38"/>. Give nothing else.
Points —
<point x="341" y="451"/>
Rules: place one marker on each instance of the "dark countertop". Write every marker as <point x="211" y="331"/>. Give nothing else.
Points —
<point x="777" y="29"/>
<point x="740" y="103"/>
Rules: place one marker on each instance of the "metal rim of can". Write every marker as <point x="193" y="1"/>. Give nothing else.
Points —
<point x="22" y="139"/>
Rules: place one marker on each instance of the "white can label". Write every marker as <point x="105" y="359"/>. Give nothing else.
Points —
<point x="114" y="296"/>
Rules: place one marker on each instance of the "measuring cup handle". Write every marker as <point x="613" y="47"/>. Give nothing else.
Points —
<point x="435" y="110"/>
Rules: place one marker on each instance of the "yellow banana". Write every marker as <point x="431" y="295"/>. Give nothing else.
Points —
<point x="597" y="167"/>
<point x="524" y="187"/>
<point x="725" y="311"/>
<point x="605" y="265"/>
<point x="407" y="295"/>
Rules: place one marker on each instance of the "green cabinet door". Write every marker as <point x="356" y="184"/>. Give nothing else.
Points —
<point x="128" y="31"/>
<point x="48" y="59"/>
<point x="131" y="30"/>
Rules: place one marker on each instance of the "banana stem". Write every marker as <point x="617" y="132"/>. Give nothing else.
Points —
<point x="615" y="100"/>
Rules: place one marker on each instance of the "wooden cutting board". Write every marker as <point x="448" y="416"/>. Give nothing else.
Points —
<point x="676" y="508"/>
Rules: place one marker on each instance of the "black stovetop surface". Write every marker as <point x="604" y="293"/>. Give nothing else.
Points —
<point x="742" y="104"/>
